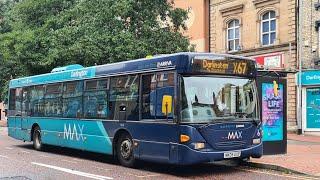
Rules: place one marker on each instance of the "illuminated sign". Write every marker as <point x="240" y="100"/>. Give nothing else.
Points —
<point x="226" y="66"/>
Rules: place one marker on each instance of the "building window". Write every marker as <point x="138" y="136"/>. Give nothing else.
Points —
<point x="268" y="28"/>
<point x="233" y="35"/>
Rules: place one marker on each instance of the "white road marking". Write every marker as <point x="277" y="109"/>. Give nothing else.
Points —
<point x="9" y="148"/>
<point x="4" y="156"/>
<point x="79" y="160"/>
<point x="25" y="152"/>
<point x="100" y="168"/>
<point x="69" y="161"/>
<point x="269" y="173"/>
<point x="44" y="156"/>
<point x="146" y="176"/>
<point x="79" y="173"/>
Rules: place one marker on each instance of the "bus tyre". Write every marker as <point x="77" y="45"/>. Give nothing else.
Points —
<point x="37" y="143"/>
<point x="125" y="151"/>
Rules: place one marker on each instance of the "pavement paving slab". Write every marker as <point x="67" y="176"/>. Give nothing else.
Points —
<point x="303" y="156"/>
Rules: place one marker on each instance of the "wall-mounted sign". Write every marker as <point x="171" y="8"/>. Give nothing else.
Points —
<point x="275" y="60"/>
<point x="309" y="77"/>
<point x="313" y="108"/>
<point x="272" y="112"/>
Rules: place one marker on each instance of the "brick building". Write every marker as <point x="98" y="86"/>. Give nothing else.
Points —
<point x="261" y="29"/>
<point x="310" y="57"/>
<point x="198" y="22"/>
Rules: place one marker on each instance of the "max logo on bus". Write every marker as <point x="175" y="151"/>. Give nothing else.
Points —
<point x="235" y="135"/>
<point x="73" y="132"/>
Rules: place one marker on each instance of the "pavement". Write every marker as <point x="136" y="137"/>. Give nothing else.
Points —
<point x="3" y="123"/>
<point x="303" y="156"/>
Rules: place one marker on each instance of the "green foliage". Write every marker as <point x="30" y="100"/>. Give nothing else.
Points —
<point x="38" y="35"/>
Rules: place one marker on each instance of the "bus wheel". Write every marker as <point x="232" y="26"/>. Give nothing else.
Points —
<point x="125" y="151"/>
<point x="37" y="143"/>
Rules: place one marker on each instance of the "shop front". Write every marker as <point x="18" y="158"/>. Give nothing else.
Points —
<point x="310" y="81"/>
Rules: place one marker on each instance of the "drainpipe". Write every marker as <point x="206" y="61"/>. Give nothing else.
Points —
<point x="300" y="44"/>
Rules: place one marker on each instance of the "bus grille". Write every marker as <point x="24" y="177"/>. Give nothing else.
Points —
<point x="231" y="144"/>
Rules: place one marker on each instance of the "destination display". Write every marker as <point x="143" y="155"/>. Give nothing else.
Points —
<point x="224" y="66"/>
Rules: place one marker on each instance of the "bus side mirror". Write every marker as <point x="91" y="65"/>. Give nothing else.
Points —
<point x="166" y="104"/>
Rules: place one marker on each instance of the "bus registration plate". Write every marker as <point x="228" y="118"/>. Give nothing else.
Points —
<point x="232" y="154"/>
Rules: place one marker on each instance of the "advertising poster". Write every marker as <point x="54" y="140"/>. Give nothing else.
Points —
<point x="313" y="108"/>
<point x="272" y="113"/>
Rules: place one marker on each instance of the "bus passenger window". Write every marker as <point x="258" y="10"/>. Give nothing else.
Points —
<point x="53" y="101"/>
<point x="124" y="93"/>
<point x="26" y="109"/>
<point x="96" y="99"/>
<point x="72" y="99"/>
<point x="37" y="101"/>
<point x="154" y="87"/>
<point x="165" y="86"/>
<point x="148" y="97"/>
<point x="15" y="102"/>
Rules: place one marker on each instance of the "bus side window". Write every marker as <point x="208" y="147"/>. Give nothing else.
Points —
<point x="165" y="86"/>
<point x="37" y="101"/>
<point x="124" y="97"/>
<point x="72" y="99"/>
<point x="15" y="102"/>
<point x="148" y="96"/>
<point x="154" y="87"/>
<point x="53" y="100"/>
<point x="26" y="101"/>
<point x="95" y="99"/>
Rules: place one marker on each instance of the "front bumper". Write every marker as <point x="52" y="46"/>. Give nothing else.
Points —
<point x="189" y="156"/>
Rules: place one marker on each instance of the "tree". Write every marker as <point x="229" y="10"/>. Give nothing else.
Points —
<point x="49" y="33"/>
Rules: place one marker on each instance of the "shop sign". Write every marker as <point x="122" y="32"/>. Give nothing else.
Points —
<point x="274" y="60"/>
<point x="309" y="77"/>
<point x="313" y="108"/>
<point x="272" y="112"/>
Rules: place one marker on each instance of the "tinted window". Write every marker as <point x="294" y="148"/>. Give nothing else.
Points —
<point x="15" y="102"/>
<point x="37" y="105"/>
<point x="124" y="93"/>
<point x="26" y="105"/>
<point x="72" y="99"/>
<point x="154" y="87"/>
<point x="96" y="99"/>
<point x="53" y="100"/>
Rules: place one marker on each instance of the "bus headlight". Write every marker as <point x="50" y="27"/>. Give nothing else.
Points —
<point x="256" y="141"/>
<point x="198" y="145"/>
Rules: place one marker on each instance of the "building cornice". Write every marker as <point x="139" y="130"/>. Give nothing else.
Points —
<point x="263" y="3"/>
<point x="232" y="10"/>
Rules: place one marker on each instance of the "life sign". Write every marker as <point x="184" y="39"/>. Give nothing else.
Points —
<point x="225" y="66"/>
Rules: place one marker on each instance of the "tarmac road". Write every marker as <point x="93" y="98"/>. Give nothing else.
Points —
<point x="18" y="160"/>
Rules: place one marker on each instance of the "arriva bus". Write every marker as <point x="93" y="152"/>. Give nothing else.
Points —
<point x="182" y="108"/>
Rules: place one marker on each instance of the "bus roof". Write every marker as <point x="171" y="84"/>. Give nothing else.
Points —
<point x="179" y="61"/>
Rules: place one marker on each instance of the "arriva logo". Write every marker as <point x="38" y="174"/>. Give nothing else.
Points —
<point x="79" y="74"/>
<point x="234" y="135"/>
<point x="73" y="132"/>
<point x="164" y="64"/>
